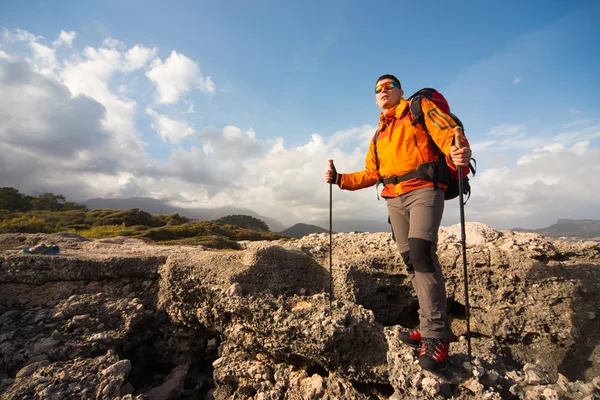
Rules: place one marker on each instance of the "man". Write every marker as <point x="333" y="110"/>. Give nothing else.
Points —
<point x="415" y="205"/>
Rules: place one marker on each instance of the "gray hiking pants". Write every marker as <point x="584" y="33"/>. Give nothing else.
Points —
<point x="417" y="215"/>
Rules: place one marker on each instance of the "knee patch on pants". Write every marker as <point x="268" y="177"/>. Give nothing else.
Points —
<point x="408" y="262"/>
<point x="420" y="255"/>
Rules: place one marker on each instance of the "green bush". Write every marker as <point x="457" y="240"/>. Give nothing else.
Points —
<point x="174" y="219"/>
<point x="129" y="218"/>
<point x="72" y="218"/>
<point x="245" y="221"/>
<point x="103" y="231"/>
<point x="190" y="229"/>
<point x="25" y="224"/>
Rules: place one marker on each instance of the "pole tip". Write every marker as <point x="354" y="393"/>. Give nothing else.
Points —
<point x="330" y="163"/>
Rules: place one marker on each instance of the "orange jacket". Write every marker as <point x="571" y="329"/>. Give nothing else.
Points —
<point x="401" y="147"/>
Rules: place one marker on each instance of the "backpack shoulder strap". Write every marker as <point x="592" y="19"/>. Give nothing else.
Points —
<point x="375" y="137"/>
<point x="417" y="111"/>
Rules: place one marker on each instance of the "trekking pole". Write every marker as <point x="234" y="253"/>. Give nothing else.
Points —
<point x="458" y="143"/>
<point x="331" y="167"/>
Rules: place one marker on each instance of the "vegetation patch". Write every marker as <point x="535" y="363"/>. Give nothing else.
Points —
<point x="52" y="214"/>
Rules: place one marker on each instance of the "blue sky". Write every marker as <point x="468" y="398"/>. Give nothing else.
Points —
<point x="243" y="102"/>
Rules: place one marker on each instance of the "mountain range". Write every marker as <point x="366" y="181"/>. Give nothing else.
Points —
<point x="573" y="228"/>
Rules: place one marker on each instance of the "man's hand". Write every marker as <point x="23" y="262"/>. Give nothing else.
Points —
<point x="331" y="176"/>
<point x="460" y="157"/>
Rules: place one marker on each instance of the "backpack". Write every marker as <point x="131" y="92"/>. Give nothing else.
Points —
<point x="435" y="171"/>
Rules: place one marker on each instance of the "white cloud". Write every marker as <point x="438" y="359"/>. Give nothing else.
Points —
<point x="169" y="129"/>
<point x="113" y="44"/>
<point x="89" y="74"/>
<point x="552" y="150"/>
<point x="42" y="138"/>
<point x="45" y="58"/>
<point x="138" y="56"/>
<point x="24" y="36"/>
<point x="176" y="76"/>
<point x="64" y="39"/>
<point x="516" y="81"/>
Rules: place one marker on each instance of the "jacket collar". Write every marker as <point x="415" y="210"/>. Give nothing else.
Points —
<point x="394" y="113"/>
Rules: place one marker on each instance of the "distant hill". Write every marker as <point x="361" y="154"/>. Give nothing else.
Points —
<point x="299" y="230"/>
<point x="577" y="228"/>
<point x="155" y="206"/>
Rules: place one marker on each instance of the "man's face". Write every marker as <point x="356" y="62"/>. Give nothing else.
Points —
<point x="388" y="96"/>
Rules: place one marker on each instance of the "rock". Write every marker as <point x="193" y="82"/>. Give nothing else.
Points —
<point x="31" y="368"/>
<point x="563" y="383"/>
<point x="478" y="372"/>
<point x="514" y="376"/>
<point x="430" y="386"/>
<point x="550" y="394"/>
<point x="534" y="375"/>
<point x="41" y="357"/>
<point x="172" y="388"/>
<point x="120" y="368"/>
<point x="234" y="290"/>
<point x="45" y="345"/>
<point x="126" y="389"/>
<point x="493" y="376"/>
<point x="474" y="386"/>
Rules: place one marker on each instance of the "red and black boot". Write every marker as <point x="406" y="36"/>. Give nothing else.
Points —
<point x="434" y="354"/>
<point x="411" y="338"/>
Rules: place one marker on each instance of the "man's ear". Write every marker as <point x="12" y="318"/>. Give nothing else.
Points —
<point x="401" y="93"/>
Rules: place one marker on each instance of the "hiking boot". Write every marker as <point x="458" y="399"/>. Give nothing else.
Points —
<point x="411" y="338"/>
<point x="434" y="354"/>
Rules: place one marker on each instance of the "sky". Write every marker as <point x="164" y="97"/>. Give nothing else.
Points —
<point x="210" y="104"/>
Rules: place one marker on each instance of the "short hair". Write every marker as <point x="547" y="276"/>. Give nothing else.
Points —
<point x="390" y="77"/>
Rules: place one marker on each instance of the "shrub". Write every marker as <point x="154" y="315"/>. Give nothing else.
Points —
<point x="72" y="218"/>
<point x="129" y="218"/>
<point x="103" y="231"/>
<point x="245" y="221"/>
<point x="25" y="224"/>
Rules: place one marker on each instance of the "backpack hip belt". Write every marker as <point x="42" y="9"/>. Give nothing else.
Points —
<point x="429" y="171"/>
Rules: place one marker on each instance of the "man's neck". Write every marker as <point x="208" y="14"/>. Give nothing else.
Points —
<point x="386" y="110"/>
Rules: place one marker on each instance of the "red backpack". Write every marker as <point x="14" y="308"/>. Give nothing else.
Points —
<point x="436" y="171"/>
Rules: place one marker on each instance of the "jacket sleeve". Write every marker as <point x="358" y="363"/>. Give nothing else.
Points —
<point x="441" y="129"/>
<point x="362" y="179"/>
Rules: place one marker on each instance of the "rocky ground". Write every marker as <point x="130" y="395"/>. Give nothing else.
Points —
<point x="117" y="318"/>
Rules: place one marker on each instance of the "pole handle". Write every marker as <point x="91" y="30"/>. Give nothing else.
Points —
<point x="458" y="137"/>
<point x="330" y="164"/>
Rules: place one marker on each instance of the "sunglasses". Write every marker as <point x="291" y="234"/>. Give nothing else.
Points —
<point x="387" y="85"/>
